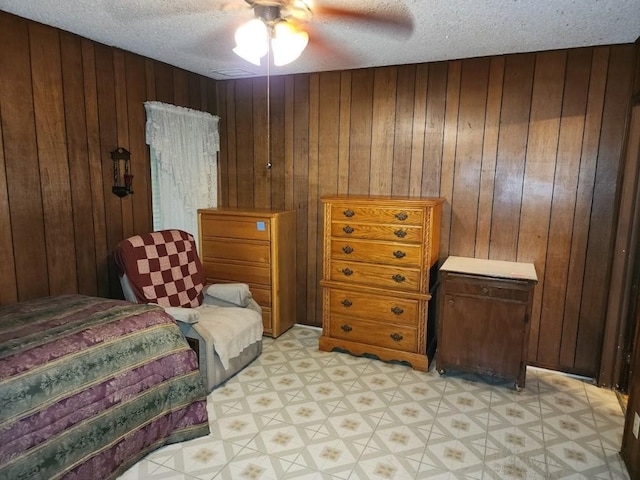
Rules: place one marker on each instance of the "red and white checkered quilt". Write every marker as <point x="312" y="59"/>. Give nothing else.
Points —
<point x="163" y="267"/>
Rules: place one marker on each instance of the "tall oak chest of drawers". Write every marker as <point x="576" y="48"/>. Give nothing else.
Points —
<point x="256" y="247"/>
<point x="375" y="287"/>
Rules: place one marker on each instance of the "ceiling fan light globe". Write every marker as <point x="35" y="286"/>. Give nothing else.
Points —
<point x="248" y="54"/>
<point x="254" y="31"/>
<point x="252" y="41"/>
<point x="288" y="43"/>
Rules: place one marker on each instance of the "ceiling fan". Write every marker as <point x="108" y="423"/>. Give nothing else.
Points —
<point x="283" y="28"/>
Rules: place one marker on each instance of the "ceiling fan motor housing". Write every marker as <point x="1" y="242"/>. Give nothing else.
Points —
<point x="269" y="14"/>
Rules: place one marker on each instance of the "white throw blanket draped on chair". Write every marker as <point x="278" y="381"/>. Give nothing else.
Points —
<point x="234" y="329"/>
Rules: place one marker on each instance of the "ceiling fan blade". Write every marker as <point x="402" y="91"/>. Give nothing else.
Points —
<point x="322" y="48"/>
<point x="205" y="46"/>
<point x="399" y="21"/>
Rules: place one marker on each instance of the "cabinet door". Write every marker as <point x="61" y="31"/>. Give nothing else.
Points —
<point x="485" y="335"/>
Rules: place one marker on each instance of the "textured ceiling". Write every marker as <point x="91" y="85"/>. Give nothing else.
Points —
<point x="197" y="35"/>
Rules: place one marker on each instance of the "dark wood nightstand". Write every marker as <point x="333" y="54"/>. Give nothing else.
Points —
<point x="484" y="310"/>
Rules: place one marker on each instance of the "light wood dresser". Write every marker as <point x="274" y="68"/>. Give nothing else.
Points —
<point x="256" y="247"/>
<point x="484" y="317"/>
<point x="375" y="287"/>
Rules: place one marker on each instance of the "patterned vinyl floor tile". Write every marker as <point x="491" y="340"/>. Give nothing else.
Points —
<point x="302" y="414"/>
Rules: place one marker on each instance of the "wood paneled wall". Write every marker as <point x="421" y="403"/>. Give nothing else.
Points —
<point x="65" y="104"/>
<point x="526" y="149"/>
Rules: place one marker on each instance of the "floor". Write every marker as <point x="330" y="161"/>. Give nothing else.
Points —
<point x="298" y="413"/>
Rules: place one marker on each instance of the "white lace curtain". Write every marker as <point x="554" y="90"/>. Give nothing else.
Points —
<point x="183" y="145"/>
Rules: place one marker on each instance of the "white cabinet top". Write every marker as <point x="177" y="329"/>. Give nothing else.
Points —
<point x="491" y="268"/>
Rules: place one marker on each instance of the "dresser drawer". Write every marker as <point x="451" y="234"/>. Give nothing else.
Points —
<point x="394" y="278"/>
<point x="261" y="295"/>
<point x="236" y="272"/>
<point x="377" y="252"/>
<point x="365" y="231"/>
<point x="373" y="307"/>
<point x="229" y="249"/>
<point x="487" y="287"/>
<point x="236" y="227"/>
<point x="267" y="322"/>
<point x="373" y="214"/>
<point x="397" y="337"/>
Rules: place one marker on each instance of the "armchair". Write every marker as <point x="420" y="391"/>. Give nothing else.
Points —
<point x="221" y="322"/>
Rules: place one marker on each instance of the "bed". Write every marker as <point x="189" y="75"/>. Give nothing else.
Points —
<point x="89" y="386"/>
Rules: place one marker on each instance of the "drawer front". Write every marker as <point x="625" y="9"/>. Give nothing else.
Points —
<point x="377" y="252"/>
<point x="234" y="227"/>
<point x="397" y="337"/>
<point x="373" y="307"/>
<point x="233" y="272"/>
<point x="373" y="214"/>
<point x="261" y="295"/>
<point x="267" y="324"/>
<point x="391" y="233"/>
<point x="394" y="278"/>
<point x="513" y="290"/>
<point x="228" y="249"/>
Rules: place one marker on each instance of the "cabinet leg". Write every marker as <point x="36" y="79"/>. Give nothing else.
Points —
<point x="441" y="371"/>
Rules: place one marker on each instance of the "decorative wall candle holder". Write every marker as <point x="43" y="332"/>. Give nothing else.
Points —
<point x="122" y="178"/>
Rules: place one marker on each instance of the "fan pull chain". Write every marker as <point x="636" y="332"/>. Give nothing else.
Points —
<point x="269" y="100"/>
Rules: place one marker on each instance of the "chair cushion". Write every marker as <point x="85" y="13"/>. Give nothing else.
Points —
<point x="163" y="267"/>
<point x="185" y="315"/>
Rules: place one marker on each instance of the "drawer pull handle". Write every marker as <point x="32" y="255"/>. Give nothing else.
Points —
<point x="347" y="229"/>
<point x="396" y="337"/>
<point x="399" y="254"/>
<point x="451" y="302"/>
<point x="397" y="311"/>
<point x="485" y="290"/>
<point x="347" y="271"/>
<point x="347" y="249"/>
<point x="346" y="328"/>
<point x="400" y="233"/>
<point x="346" y="303"/>
<point x="398" y="278"/>
<point x="402" y="216"/>
<point x="349" y="213"/>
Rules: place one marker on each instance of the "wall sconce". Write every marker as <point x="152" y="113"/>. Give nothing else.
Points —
<point x="122" y="178"/>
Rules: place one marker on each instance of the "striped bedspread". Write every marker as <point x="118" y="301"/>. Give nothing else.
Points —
<point x="88" y="386"/>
